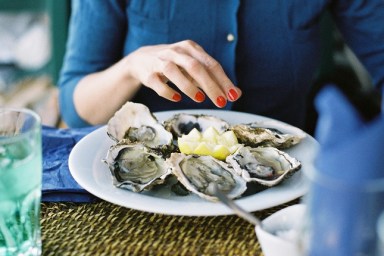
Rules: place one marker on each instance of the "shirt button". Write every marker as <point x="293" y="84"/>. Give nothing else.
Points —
<point x="230" y="37"/>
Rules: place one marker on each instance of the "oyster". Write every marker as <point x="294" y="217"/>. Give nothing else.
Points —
<point x="182" y="123"/>
<point x="265" y="165"/>
<point x="199" y="173"/>
<point x="254" y="135"/>
<point x="135" y="166"/>
<point x="135" y="123"/>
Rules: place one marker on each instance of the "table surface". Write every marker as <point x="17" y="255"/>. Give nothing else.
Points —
<point x="103" y="228"/>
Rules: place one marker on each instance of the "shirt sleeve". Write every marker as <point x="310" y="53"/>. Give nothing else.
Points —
<point x="97" y="32"/>
<point x="362" y="24"/>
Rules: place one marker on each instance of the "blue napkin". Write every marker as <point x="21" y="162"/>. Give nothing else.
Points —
<point x="58" y="183"/>
<point x="342" y="212"/>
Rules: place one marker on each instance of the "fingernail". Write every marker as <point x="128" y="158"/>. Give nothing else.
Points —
<point x="220" y="101"/>
<point x="199" y="96"/>
<point x="232" y="94"/>
<point x="176" y="97"/>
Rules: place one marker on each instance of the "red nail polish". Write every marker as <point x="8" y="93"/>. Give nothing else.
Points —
<point x="200" y="97"/>
<point x="232" y="94"/>
<point x="176" y="97"/>
<point x="221" y="102"/>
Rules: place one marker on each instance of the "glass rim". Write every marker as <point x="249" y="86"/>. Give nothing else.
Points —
<point x="22" y="110"/>
<point x="380" y="227"/>
<point x="35" y="127"/>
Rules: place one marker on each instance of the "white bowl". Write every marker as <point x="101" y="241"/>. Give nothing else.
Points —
<point x="281" y="233"/>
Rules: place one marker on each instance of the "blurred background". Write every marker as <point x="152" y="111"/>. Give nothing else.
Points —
<point x="33" y="35"/>
<point x="32" y="45"/>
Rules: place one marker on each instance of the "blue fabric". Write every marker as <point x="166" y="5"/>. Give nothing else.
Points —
<point x="382" y="100"/>
<point x="343" y="212"/>
<point x="272" y="59"/>
<point x="58" y="183"/>
<point x="351" y="149"/>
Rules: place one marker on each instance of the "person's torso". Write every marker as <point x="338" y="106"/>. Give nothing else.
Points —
<point x="270" y="49"/>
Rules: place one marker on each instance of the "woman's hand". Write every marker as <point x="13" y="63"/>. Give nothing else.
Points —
<point x="186" y="65"/>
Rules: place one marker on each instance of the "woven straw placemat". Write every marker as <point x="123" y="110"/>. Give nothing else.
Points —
<point x="103" y="228"/>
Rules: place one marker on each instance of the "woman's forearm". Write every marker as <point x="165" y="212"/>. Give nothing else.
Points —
<point x="99" y="95"/>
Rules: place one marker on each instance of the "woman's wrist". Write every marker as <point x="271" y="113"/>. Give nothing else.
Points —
<point x="127" y="70"/>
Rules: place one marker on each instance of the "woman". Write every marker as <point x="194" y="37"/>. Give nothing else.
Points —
<point x="252" y="56"/>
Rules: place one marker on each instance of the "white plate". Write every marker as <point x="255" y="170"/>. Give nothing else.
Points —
<point x="87" y="168"/>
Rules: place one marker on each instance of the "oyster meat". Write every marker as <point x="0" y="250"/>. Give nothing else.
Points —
<point x="199" y="173"/>
<point x="135" y="166"/>
<point x="265" y="165"/>
<point x="135" y="123"/>
<point x="182" y="123"/>
<point x="254" y="135"/>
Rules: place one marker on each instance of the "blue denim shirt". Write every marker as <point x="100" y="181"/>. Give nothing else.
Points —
<point x="273" y="55"/>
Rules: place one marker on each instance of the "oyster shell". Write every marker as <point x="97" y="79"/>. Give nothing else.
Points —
<point x="135" y="166"/>
<point x="199" y="173"/>
<point x="135" y="123"/>
<point x="254" y="135"/>
<point x="182" y="123"/>
<point x="265" y="165"/>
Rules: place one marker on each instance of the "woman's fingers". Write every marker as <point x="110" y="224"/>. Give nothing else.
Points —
<point x="202" y="78"/>
<point x="186" y="65"/>
<point x="158" y="84"/>
<point x="214" y="69"/>
<point x="182" y="81"/>
<point x="199" y="76"/>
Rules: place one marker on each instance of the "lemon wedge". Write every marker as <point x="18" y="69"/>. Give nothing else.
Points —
<point x="210" y="142"/>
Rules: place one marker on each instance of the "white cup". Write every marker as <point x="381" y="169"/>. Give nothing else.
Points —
<point x="281" y="233"/>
